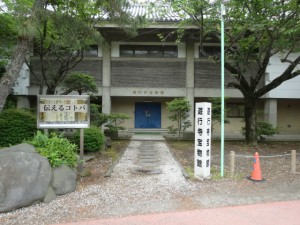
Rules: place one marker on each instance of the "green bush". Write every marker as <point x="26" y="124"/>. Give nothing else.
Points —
<point x="97" y="118"/>
<point x="16" y="125"/>
<point x="113" y="125"/>
<point x="93" y="139"/>
<point x="263" y="129"/>
<point x="56" y="149"/>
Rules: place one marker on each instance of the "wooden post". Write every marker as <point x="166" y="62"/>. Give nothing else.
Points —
<point x="293" y="161"/>
<point x="80" y="165"/>
<point x="232" y="162"/>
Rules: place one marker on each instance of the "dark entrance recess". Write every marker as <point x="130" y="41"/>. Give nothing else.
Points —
<point x="147" y="115"/>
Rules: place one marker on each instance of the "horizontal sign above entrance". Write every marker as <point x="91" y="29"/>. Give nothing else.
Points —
<point x="63" y="111"/>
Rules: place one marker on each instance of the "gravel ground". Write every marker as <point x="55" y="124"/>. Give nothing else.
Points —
<point x="129" y="193"/>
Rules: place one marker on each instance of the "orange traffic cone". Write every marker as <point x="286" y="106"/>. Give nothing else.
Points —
<point x="256" y="173"/>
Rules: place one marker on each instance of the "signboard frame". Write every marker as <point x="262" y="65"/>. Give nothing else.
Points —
<point x="63" y="111"/>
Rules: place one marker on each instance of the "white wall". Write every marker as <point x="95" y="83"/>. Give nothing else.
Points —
<point x="288" y="89"/>
<point x="23" y="81"/>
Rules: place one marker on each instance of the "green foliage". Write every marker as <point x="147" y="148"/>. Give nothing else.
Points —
<point x="93" y="139"/>
<point x="80" y="82"/>
<point x="263" y="129"/>
<point x="217" y="109"/>
<point x="97" y="118"/>
<point x="56" y="149"/>
<point x="8" y="38"/>
<point x="254" y="32"/>
<point x="179" y="108"/>
<point x="114" y="123"/>
<point x="11" y="102"/>
<point x="16" y="125"/>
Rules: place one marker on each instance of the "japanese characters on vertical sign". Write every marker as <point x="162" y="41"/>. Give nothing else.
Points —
<point x="202" y="140"/>
<point x="63" y="111"/>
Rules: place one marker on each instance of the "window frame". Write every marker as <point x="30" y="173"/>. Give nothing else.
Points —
<point x="162" y="51"/>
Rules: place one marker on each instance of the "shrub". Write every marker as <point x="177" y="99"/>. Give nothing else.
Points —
<point x="93" y="139"/>
<point x="179" y="109"/>
<point x="56" y="149"/>
<point x="16" y="125"/>
<point x="263" y="129"/>
<point x="113" y="124"/>
<point x="97" y="118"/>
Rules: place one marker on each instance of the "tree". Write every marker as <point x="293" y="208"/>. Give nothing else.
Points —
<point x="8" y="38"/>
<point x="256" y="31"/>
<point x="179" y="107"/>
<point x="79" y="82"/>
<point x="59" y="47"/>
<point x="17" y="59"/>
<point x="113" y="123"/>
<point x="63" y="30"/>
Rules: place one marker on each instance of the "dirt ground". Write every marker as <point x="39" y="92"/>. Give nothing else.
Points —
<point x="275" y="163"/>
<point x="100" y="163"/>
<point x="275" y="160"/>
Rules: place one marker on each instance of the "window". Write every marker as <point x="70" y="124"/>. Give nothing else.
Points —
<point x="235" y="110"/>
<point x="91" y="51"/>
<point x="150" y="51"/>
<point x="126" y="51"/>
<point x="140" y="51"/>
<point x="155" y="51"/>
<point x="209" y="50"/>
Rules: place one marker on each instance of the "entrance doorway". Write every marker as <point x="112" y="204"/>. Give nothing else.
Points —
<point x="147" y="115"/>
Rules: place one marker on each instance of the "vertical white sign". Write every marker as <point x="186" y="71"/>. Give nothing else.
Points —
<point x="202" y="140"/>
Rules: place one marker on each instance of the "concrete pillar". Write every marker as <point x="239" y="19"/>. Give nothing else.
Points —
<point x="190" y="71"/>
<point x="23" y="102"/>
<point x="106" y="83"/>
<point x="270" y="111"/>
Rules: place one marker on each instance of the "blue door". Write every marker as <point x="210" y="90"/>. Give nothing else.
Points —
<point x="147" y="115"/>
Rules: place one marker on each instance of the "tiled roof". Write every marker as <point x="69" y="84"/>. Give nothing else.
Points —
<point x="158" y="13"/>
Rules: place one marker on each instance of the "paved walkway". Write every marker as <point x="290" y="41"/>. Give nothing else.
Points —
<point x="277" y="213"/>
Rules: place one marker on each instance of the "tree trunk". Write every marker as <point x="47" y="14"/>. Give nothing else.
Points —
<point x="50" y="90"/>
<point x="9" y="79"/>
<point x="250" y="121"/>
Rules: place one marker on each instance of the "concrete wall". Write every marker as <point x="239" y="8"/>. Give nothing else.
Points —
<point x="288" y="116"/>
<point x="288" y="89"/>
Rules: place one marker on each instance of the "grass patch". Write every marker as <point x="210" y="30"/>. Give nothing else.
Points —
<point x="216" y="174"/>
<point x="182" y="145"/>
<point x="190" y="172"/>
<point x="116" y="149"/>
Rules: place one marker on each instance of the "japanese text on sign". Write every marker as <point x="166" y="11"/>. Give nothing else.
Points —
<point x="202" y="139"/>
<point x="63" y="111"/>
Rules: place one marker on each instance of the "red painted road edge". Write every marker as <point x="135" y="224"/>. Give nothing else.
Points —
<point x="276" y="213"/>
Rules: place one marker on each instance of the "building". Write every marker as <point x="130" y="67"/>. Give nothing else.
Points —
<point x="137" y="76"/>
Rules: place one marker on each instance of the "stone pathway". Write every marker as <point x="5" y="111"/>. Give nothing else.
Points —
<point x="148" y="161"/>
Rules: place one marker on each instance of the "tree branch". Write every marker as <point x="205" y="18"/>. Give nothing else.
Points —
<point x="288" y="74"/>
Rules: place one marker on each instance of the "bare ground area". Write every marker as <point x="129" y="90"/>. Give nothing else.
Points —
<point x="275" y="162"/>
<point x="122" y="194"/>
